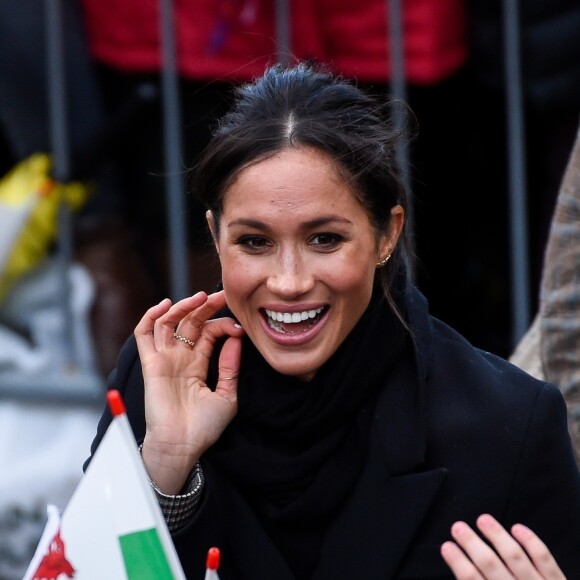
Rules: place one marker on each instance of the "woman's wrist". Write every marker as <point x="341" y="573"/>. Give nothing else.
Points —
<point x="167" y="471"/>
<point x="178" y="508"/>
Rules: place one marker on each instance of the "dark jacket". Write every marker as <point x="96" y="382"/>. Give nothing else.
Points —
<point x="472" y="435"/>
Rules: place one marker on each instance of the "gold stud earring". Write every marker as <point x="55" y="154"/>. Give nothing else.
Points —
<point x="383" y="262"/>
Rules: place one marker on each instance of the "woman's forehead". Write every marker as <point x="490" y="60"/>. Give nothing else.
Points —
<point x="290" y="177"/>
<point x="291" y="171"/>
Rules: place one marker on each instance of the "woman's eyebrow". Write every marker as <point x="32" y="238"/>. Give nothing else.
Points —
<point x="249" y="223"/>
<point x="313" y="223"/>
<point x="325" y="220"/>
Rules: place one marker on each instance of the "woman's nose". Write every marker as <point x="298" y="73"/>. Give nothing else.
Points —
<point x="290" y="278"/>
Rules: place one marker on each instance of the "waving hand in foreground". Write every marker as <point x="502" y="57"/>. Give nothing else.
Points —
<point x="519" y="555"/>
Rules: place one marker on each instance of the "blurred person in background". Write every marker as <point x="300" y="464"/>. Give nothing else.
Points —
<point x="550" y="349"/>
<point x="560" y="296"/>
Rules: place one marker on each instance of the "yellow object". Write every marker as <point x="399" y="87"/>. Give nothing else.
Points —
<point x="29" y="203"/>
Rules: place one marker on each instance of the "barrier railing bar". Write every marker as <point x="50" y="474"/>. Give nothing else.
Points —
<point x="283" y="41"/>
<point x="55" y="390"/>
<point x="59" y="144"/>
<point x="520" y="292"/>
<point x="176" y="226"/>
<point x="398" y="89"/>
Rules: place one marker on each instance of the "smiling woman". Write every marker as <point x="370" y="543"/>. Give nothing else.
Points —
<point x="294" y="241"/>
<point x="317" y="422"/>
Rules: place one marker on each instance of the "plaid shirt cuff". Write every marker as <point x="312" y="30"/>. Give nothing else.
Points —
<point x="178" y="509"/>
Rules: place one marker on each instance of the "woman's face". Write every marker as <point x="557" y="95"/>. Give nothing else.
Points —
<point x="298" y="255"/>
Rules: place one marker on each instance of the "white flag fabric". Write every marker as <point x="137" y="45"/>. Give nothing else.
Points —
<point x="112" y="526"/>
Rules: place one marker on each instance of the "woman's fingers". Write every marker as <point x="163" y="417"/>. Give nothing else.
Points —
<point x="144" y="331"/>
<point x="192" y="323"/>
<point x="520" y="555"/>
<point x="185" y="318"/>
<point x="168" y="329"/>
<point x="485" y="559"/>
<point x="538" y="552"/>
<point x="229" y="368"/>
<point x="523" y="552"/>
<point x="461" y="566"/>
<point x="167" y="324"/>
<point x="213" y="330"/>
<point x="508" y="548"/>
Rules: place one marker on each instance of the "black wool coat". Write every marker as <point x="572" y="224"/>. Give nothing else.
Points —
<point x="468" y="434"/>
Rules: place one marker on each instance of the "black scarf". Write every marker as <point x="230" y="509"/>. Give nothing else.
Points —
<point x="295" y="448"/>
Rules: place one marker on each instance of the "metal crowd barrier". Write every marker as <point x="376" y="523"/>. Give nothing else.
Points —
<point x="76" y="386"/>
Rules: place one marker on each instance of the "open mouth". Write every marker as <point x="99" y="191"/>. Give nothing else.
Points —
<point x="294" y="322"/>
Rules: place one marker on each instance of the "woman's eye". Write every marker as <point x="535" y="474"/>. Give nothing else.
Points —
<point x="253" y="243"/>
<point x="326" y="240"/>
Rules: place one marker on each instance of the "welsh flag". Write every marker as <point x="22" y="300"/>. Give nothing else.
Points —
<point x="112" y="526"/>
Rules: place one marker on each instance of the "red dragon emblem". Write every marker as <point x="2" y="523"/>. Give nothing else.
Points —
<point x="54" y="562"/>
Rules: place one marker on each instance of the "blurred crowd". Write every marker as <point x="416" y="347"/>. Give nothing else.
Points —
<point x="454" y="69"/>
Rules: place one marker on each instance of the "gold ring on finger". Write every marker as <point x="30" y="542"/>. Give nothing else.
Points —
<point x="190" y="343"/>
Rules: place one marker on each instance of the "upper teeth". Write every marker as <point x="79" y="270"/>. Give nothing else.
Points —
<point x="290" y="317"/>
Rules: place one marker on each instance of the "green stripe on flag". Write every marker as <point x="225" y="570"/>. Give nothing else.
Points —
<point x="144" y="556"/>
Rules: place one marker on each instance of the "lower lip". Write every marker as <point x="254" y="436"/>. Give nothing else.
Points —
<point x="298" y="339"/>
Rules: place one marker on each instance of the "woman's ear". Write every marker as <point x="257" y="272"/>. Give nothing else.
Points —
<point x="389" y="240"/>
<point x="212" y="224"/>
<point x="396" y="224"/>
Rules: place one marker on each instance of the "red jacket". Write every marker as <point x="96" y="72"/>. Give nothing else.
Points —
<point x="236" y="39"/>
<point x="356" y="43"/>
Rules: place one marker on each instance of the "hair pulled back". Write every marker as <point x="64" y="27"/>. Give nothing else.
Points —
<point x="307" y="106"/>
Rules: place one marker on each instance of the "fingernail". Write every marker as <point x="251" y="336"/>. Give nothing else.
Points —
<point x="486" y="521"/>
<point x="458" y="528"/>
<point x="446" y="547"/>
<point x="237" y="325"/>
<point x="521" y="530"/>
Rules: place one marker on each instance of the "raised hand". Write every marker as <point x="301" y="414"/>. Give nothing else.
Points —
<point x="184" y="417"/>
<point x="520" y="554"/>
